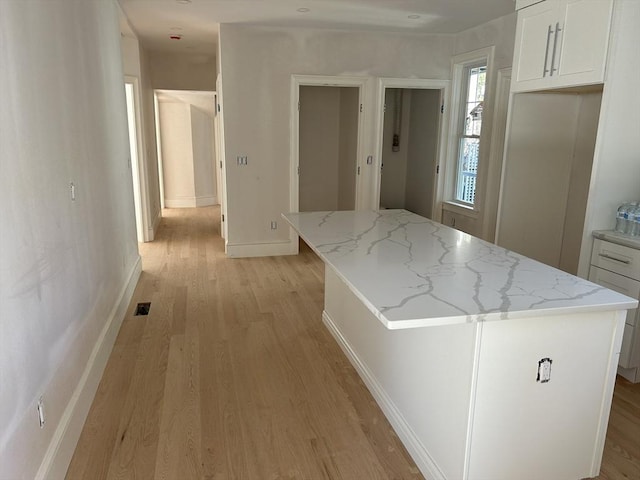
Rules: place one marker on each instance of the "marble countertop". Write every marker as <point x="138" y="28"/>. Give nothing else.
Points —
<point x="412" y="272"/>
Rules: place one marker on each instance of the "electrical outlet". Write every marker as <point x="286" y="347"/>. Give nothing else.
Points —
<point x="41" y="416"/>
<point x="544" y="370"/>
<point x="274" y="225"/>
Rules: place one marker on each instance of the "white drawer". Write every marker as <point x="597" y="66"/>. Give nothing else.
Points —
<point x="616" y="258"/>
<point x="617" y="283"/>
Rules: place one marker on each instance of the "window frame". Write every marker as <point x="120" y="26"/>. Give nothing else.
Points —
<point x="460" y="64"/>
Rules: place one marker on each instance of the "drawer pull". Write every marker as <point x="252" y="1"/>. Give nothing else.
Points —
<point x="609" y="257"/>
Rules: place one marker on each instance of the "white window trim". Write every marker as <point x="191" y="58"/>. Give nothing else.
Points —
<point x="458" y="64"/>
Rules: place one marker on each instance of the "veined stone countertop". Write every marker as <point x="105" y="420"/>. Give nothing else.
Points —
<point x="413" y="272"/>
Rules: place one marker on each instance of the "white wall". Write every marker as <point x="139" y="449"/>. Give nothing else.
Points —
<point x="135" y="64"/>
<point x="538" y="175"/>
<point x="328" y="139"/>
<point x="394" y="164"/>
<point x="186" y="135"/>
<point x="578" y="192"/>
<point x="423" y="131"/>
<point x="319" y="148"/>
<point x="65" y="263"/>
<point x="256" y="95"/>
<point x="203" y="157"/>
<point x="348" y="150"/>
<point x="177" y="154"/>
<point x="180" y="71"/>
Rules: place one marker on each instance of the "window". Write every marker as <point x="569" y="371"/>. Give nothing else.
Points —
<point x="469" y="126"/>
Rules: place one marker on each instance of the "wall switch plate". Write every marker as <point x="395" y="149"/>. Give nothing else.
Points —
<point x="544" y="370"/>
<point x="72" y="189"/>
<point x="274" y="225"/>
<point x="242" y="159"/>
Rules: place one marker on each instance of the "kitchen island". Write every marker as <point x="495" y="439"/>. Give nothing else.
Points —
<point x="488" y="365"/>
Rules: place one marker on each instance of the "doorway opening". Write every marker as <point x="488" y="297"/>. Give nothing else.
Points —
<point x="328" y="136"/>
<point x="410" y="139"/>
<point x="326" y="143"/>
<point x="186" y="132"/>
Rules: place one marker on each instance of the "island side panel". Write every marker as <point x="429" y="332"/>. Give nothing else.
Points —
<point x="528" y="429"/>
<point x="420" y="377"/>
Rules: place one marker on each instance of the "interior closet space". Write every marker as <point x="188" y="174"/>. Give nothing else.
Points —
<point x="549" y="156"/>
<point x="328" y="147"/>
<point x="411" y="129"/>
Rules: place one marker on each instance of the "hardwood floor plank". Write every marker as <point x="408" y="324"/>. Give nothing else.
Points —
<point x="233" y="376"/>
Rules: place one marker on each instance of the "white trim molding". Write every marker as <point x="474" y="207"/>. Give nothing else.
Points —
<point x="56" y="460"/>
<point x="458" y="64"/>
<point x="412" y="84"/>
<point x="265" y="249"/>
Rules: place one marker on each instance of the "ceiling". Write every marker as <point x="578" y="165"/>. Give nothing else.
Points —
<point x="196" y="21"/>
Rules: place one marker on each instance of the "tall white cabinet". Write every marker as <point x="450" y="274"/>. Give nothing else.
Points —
<point x="572" y="149"/>
<point x="561" y="43"/>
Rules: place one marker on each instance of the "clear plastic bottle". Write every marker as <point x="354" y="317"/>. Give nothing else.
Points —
<point x="622" y="218"/>
<point x="634" y="220"/>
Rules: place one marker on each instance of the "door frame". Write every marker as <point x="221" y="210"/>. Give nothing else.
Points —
<point x="138" y="166"/>
<point x="444" y="87"/>
<point x="298" y="81"/>
<point x="221" y="161"/>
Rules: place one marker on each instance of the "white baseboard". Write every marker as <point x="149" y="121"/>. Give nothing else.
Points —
<point x="190" y="202"/>
<point x="187" y="202"/>
<point x="273" y="249"/>
<point x="65" y="438"/>
<point x="409" y="439"/>
<point x="206" y="201"/>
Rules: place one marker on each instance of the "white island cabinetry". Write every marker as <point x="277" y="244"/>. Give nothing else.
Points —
<point x="489" y="365"/>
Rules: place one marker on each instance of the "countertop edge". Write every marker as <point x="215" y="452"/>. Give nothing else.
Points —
<point x="618" y="238"/>
<point x="462" y="319"/>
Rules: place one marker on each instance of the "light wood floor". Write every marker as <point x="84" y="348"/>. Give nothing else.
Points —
<point x="232" y="375"/>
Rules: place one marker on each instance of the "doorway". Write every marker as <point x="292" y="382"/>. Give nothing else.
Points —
<point x="187" y="148"/>
<point x="410" y="149"/>
<point x="326" y="143"/>
<point x="411" y="132"/>
<point x="328" y="148"/>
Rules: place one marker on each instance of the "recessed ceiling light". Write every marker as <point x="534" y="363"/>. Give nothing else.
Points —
<point x="184" y="2"/>
<point x="413" y="17"/>
<point x="303" y="10"/>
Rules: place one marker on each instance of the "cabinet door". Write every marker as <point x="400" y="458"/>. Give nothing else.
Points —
<point x="534" y="47"/>
<point x="630" y="350"/>
<point x="582" y="42"/>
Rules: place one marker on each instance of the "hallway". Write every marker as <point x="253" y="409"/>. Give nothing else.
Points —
<point x="232" y="374"/>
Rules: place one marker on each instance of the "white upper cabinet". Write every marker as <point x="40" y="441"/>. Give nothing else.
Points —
<point x="561" y="43"/>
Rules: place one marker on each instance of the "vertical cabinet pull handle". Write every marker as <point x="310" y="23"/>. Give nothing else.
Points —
<point x="555" y="45"/>
<point x="545" y="70"/>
